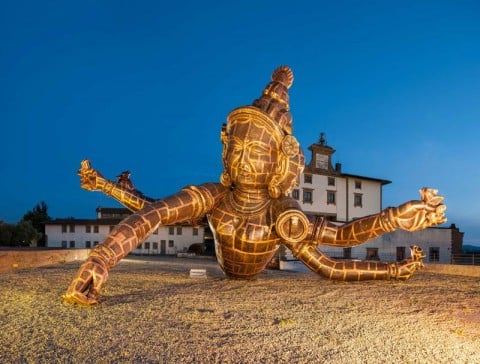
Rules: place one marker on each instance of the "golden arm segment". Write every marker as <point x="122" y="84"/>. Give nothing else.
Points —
<point x="92" y="180"/>
<point x="350" y="270"/>
<point x="189" y="204"/>
<point x="410" y="216"/>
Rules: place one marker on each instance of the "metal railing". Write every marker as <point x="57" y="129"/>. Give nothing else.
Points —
<point x="466" y="259"/>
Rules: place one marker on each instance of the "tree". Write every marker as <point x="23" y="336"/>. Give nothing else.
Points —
<point x="38" y="216"/>
<point x="25" y="234"/>
<point x="6" y="234"/>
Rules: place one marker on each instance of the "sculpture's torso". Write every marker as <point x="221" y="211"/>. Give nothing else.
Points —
<point x="244" y="238"/>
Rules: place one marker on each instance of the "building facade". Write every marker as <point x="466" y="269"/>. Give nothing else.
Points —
<point x="86" y="233"/>
<point x="340" y="197"/>
<point x="327" y="191"/>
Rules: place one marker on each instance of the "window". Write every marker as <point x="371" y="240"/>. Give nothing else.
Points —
<point x="88" y="244"/>
<point x="111" y="227"/>
<point x="155" y="246"/>
<point x="307" y="178"/>
<point x="170" y="244"/>
<point x="434" y="254"/>
<point x="88" y="229"/>
<point x="64" y="229"/>
<point x="195" y="231"/>
<point x="400" y="253"/>
<point x="372" y="254"/>
<point x="171" y="230"/>
<point x="64" y="242"/>
<point x="347" y="253"/>
<point x="72" y="243"/>
<point x="331" y="198"/>
<point x="179" y="230"/>
<point x="72" y="228"/>
<point x="358" y="185"/>
<point x="307" y="196"/>
<point x="95" y="229"/>
<point x="95" y="243"/>
<point x="146" y="245"/>
<point x="155" y="232"/>
<point x="331" y="181"/>
<point x="357" y="200"/>
<point x="296" y="194"/>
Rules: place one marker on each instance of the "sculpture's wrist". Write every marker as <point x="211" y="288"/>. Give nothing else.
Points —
<point x="388" y="220"/>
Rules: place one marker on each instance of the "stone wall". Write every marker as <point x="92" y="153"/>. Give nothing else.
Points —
<point x="454" y="269"/>
<point x="31" y="258"/>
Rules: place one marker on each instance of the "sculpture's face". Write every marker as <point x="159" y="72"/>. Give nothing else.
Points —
<point x="251" y="155"/>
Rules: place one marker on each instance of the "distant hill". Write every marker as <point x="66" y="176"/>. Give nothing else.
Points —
<point x="471" y="249"/>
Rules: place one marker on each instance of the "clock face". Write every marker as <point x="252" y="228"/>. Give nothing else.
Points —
<point x="321" y="161"/>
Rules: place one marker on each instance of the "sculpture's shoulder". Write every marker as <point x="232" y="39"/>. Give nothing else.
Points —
<point x="284" y="203"/>
<point x="210" y="193"/>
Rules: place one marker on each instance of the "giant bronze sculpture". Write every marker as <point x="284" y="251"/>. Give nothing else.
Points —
<point x="249" y="211"/>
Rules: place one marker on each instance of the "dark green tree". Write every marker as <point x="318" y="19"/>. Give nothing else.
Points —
<point x="38" y="216"/>
<point x="25" y="234"/>
<point x="6" y="234"/>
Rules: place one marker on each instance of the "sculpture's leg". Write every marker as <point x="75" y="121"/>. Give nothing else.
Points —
<point x="349" y="270"/>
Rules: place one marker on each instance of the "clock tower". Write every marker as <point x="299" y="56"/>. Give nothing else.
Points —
<point x="321" y="160"/>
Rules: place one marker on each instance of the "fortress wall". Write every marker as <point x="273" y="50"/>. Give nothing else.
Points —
<point x="454" y="269"/>
<point x="31" y="258"/>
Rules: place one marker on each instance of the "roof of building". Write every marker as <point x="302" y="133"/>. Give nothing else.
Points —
<point x="72" y="220"/>
<point x="113" y="210"/>
<point x="382" y="181"/>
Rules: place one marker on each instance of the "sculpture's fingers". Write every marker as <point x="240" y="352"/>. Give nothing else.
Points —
<point x="437" y="216"/>
<point x="98" y="281"/>
<point x="435" y="201"/>
<point x="430" y="196"/>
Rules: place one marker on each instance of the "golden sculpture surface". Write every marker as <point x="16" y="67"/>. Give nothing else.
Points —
<point x="249" y="212"/>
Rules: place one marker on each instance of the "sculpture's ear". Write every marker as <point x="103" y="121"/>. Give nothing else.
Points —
<point x="275" y="186"/>
<point x="290" y="146"/>
<point x="291" y="163"/>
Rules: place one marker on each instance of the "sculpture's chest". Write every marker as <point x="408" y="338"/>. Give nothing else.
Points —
<point x="230" y="226"/>
<point x="244" y="243"/>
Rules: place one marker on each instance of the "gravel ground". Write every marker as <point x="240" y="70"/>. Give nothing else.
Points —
<point x="155" y="313"/>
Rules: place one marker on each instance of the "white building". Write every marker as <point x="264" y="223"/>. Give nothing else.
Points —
<point x="327" y="191"/>
<point x="437" y="243"/>
<point x="341" y="197"/>
<point x="86" y="233"/>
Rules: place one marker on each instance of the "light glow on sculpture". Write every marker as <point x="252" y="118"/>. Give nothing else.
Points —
<point x="249" y="211"/>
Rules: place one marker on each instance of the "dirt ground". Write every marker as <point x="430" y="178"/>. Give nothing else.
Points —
<point x="155" y="313"/>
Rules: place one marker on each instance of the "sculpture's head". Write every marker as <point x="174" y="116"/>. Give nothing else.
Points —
<point x="259" y="150"/>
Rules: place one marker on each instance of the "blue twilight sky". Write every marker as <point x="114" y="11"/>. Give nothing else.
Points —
<point x="146" y="85"/>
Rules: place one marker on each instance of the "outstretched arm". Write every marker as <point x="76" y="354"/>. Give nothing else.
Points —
<point x="92" y="180"/>
<point x="411" y="216"/>
<point x="189" y="204"/>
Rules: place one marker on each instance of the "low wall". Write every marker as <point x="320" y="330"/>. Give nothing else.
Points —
<point x="454" y="269"/>
<point x="31" y="258"/>
<point x="451" y="269"/>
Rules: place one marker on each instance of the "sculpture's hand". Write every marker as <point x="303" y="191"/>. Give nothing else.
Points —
<point x="405" y="269"/>
<point x="85" y="287"/>
<point x="90" y="179"/>
<point x="417" y="215"/>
